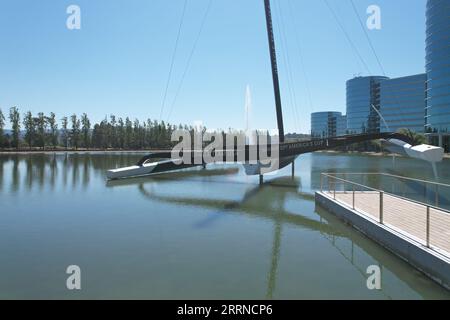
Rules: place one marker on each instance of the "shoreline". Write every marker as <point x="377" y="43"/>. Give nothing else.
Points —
<point x="80" y="151"/>
<point x="370" y="153"/>
<point x="366" y="153"/>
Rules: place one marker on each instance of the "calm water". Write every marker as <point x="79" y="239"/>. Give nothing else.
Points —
<point x="202" y="234"/>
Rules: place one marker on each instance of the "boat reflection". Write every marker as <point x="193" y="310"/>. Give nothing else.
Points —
<point x="258" y="201"/>
<point x="280" y="200"/>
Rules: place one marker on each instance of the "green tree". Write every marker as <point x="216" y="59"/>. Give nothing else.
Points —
<point x="2" y="126"/>
<point x="151" y="138"/>
<point x="144" y="134"/>
<point x="75" y="133"/>
<point x="100" y="136"/>
<point x="65" y="131"/>
<point x="86" y="128"/>
<point x="41" y="126"/>
<point x="121" y="133"/>
<point x="53" y="126"/>
<point x="113" y="122"/>
<point x="14" y="118"/>
<point x="156" y="133"/>
<point x="151" y="133"/>
<point x="7" y="141"/>
<point x="97" y="136"/>
<point x="136" y="134"/>
<point x="162" y="135"/>
<point x="30" y="129"/>
<point x="128" y="133"/>
<point x="416" y="138"/>
<point x="107" y="131"/>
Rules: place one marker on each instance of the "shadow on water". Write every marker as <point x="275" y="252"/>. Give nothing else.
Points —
<point x="277" y="191"/>
<point x="268" y="202"/>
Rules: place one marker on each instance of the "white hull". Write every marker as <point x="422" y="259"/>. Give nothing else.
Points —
<point x="148" y="168"/>
<point x="422" y="152"/>
<point x="133" y="171"/>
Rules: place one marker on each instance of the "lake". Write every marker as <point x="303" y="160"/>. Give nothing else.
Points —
<point x="196" y="234"/>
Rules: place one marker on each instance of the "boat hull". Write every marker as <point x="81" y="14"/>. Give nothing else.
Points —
<point x="423" y="152"/>
<point x="132" y="171"/>
<point x="146" y="169"/>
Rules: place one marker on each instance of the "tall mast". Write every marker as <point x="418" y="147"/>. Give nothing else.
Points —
<point x="273" y="60"/>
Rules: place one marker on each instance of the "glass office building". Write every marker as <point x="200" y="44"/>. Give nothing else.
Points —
<point x="402" y="103"/>
<point x="363" y="95"/>
<point x="326" y="124"/>
<point x="438" y="72"/>
<point x="341" y="125"/>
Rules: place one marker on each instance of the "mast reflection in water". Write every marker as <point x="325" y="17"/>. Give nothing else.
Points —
<point x="211" y="233"/>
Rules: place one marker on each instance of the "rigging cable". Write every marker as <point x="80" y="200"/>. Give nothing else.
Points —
<point x="173" y="60"/>
<point x="355" y="50"/>
<point x="291" y="74"/>
<point x="395" y="96"/>
<point x="286" y="59"/>
<point x="302" y="61"/>
<point x="205" y="16"/>
<point x="368" y="38"/>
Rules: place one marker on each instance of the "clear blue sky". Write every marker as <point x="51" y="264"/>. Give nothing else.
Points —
<point x="119" y="61"/>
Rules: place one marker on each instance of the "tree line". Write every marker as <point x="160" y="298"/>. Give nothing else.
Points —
<point x="41" y="131"/>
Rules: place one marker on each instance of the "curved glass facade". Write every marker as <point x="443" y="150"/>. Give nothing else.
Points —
<point x="438" y="66"/>
<point x="327" y="124"/>
<point x="402" y="103"/>
<point x="341" y="125"/>
<point x="362" y="93"/>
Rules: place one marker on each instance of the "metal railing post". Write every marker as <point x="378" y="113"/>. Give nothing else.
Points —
<point x="428" y="226"/>
<point x="328" y="184"/>
<point x="437" y="195"/>
<point x="353" y="200"/>
<point x="321" y="182"/>
<point x="333" y="192"/>
<point x="381" y="207"/>
<point x="334" y="187"/>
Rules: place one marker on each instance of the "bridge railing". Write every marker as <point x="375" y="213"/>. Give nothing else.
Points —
<point x="422" y="221"/>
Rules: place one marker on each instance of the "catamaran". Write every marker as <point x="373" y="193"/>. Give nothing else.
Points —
<point x="288" y="151"/>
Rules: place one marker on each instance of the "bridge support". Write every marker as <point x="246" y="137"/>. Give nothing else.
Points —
<point x="261" y="179"/>
<point x="293" y="169"/>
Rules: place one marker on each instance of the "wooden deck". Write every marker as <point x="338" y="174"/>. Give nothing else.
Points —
<point x="404" y="216"/>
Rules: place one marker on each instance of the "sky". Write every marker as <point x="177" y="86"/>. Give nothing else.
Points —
<point x="119" y="61"/>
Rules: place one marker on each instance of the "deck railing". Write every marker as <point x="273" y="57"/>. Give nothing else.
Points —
<point x="421" y="221"/>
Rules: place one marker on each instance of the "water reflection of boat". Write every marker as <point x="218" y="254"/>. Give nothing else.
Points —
<point x="273" y="202"/>
<point x="258" y="201"/>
